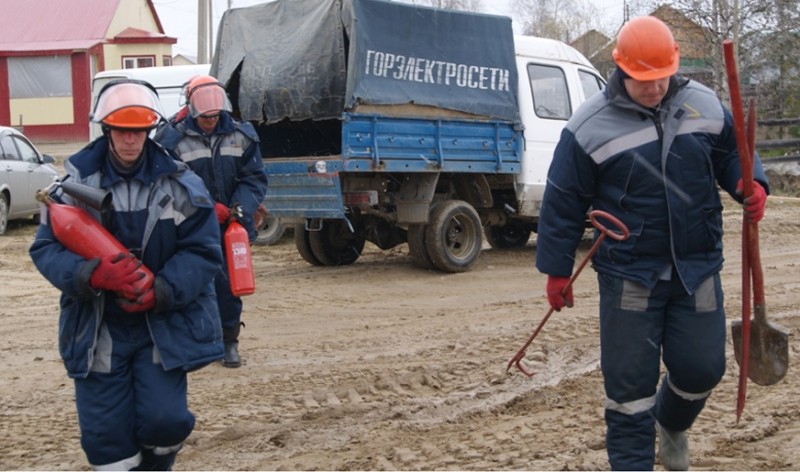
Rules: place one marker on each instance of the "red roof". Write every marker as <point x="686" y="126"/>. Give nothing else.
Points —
<point x="43" y="25"/>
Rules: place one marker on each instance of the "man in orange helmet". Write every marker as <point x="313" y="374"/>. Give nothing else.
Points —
<point x="226" y="154"/>
<point x="129" y="348"/>
<point x="650" y="150"/>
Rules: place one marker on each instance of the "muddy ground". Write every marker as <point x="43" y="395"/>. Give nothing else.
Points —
<point x="383" y="366"/>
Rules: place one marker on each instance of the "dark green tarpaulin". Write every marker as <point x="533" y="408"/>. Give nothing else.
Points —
<point x="314" y="59"/>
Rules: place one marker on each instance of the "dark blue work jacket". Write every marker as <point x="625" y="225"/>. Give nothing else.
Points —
<point x="658" y="170"/>
<point x="164" y="215"/>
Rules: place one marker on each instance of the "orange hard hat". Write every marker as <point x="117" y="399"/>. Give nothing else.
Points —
<point x="128" y="104"/>
<point x="206" y="95"/>
<point x="646" y="49"/>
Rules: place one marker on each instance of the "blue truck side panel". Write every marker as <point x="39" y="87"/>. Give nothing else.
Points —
<point x="297" y="189"/>
<point x="377" y="144"/>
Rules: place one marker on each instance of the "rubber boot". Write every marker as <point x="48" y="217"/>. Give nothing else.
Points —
<point x="673" y="448"/>
<point x="152" y="461"/>
<point x="230" y="337"/>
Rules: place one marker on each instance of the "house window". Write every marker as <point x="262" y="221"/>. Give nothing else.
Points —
<point x="166" y="60"/>
<point x="39" y="77"/>
<point x="133" y="62"/>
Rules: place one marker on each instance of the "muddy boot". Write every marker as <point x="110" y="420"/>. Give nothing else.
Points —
<point x="673" y="448"/>
<point x="230" y="337"/>
<point x="158" y="458"/>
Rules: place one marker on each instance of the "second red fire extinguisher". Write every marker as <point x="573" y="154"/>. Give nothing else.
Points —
<point x="240" y="263"/>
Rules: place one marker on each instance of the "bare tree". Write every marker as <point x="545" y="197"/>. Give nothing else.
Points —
<point x="564" y="20"/>
<point x="767" y="39"/>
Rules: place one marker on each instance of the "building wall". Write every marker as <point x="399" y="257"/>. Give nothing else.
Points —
<point x="41" y="111"/>
<point x="66" y="119"/>
<point x="181" y="60"/>
<point x="114" y="53"/>
<point x="132" y="14"/>
<point x="51" y="119"/>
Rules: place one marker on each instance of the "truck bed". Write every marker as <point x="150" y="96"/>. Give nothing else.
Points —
<point x="310" y="187"/>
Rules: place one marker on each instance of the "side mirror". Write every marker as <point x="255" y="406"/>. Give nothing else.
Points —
<point x="48" y="159"/>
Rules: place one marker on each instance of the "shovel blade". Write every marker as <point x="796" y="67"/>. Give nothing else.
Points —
<point x="769" y="350"/>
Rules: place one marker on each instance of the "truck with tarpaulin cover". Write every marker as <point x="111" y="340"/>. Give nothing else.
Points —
<point x="392" y="123"/>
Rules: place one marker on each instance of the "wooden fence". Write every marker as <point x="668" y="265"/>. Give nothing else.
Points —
<point x="792" y="146"/>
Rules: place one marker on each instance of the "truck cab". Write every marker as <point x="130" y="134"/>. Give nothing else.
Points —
<point x="554" y="80"/>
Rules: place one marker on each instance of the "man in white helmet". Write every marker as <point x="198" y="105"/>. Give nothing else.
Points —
<point x="129" y="348"/>
<point x="650" y="150"/>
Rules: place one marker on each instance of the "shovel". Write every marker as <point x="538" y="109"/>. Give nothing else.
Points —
<point x="761" y="348"/>
<point x="767" y="347"/>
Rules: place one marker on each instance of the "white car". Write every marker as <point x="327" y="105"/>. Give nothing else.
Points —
<point x="23" y="171"/>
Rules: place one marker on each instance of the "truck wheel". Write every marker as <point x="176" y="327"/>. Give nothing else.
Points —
<point x="334" y="244"/>
<point x="3" y="213"/>
<point x="269" y="229"/>
<point x="512" y="235"/>
<point x="416" y="247"/>
<point x="303" y="245"/>
<point x="453" y="236"/>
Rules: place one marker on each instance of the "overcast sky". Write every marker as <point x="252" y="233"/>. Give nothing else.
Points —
<point x="179" y="17"/>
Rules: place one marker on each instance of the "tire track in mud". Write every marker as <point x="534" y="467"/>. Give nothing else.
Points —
<point x="421" y="388"/>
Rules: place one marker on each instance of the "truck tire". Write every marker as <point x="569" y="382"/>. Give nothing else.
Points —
<point x="511" y="235"/>
<point x="334" y="244"/>
<point x="417" y="248"/>
<point x="453" y="236"/>
<point x="303" y="244"/>
<point x="270" y="231"/>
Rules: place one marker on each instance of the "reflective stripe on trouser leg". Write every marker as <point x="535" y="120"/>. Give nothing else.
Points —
<point x="630" y="337"/>
<point x="694" y="354"/>
<point x="158" y="458"/>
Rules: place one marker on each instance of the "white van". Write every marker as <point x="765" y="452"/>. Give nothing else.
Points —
<point x="554" y="80"/>
<point x="167" y="80"/>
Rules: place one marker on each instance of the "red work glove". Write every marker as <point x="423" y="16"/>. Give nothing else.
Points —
<point x="755" y="203"/>
<point x="117" y="273"/>
<point x="145" y="302"/>
<point x="556" y="295"/>
<point x="223" y="213"/>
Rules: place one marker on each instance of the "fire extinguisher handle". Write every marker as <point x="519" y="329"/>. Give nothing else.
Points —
<point x="236" y="212"/>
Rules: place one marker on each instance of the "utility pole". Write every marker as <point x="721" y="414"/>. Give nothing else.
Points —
<point x="204" y="31"/>
<point x="210" y="34"/>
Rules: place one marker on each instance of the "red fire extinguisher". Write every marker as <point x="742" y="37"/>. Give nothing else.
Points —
<point x="85" y="236"/>
<point x="240" y="263"/>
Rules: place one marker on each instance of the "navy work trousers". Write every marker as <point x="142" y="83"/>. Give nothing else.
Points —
<point x="639" y="328"/>
<point x="129" y="407"/>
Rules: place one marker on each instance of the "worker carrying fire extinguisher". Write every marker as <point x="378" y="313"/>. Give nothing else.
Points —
<point x="226" y="154"/>
<point x="129" y="346"/>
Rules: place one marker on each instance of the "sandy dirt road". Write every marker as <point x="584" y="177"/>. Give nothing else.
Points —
<point x="382" y="366"/>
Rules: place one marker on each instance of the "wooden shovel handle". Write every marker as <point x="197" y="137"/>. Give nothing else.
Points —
<point x="737" y="109"/>
<point x="745" y="158"/>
